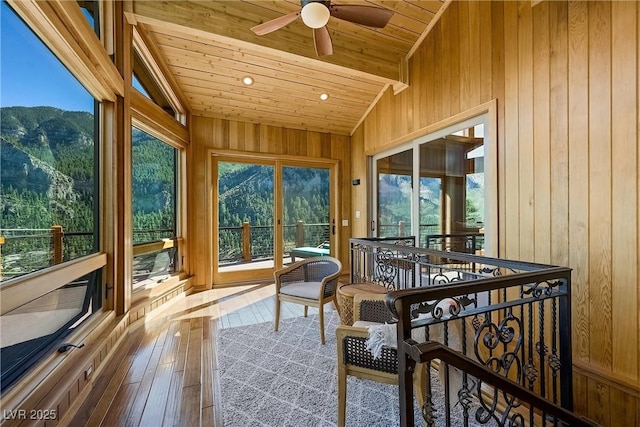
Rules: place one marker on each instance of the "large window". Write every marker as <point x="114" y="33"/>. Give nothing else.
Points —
<point x="48" y="197"/>
<point x="453" y="207"/>
<point x="154" y="192"/>
<point x="47" y="156"/>
<point x="452" y="191"/>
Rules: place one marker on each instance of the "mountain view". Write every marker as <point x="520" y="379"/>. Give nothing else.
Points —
<point x="395" y="195"/>
<point x="246" y="194"/>
<point x="47" y="178"/>
<point x="46" y="168"/>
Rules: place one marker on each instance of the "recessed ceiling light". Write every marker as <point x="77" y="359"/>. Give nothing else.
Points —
<point x="324" y="96"/>
<point x="248" y="80"/>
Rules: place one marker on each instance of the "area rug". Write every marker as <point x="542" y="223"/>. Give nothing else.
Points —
<point x="288" y="378"/>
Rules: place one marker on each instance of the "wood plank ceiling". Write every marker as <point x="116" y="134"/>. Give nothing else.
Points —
<point x="208" y="47"/>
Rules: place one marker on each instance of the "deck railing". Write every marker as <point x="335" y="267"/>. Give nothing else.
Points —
<point x="26" y="250"/>
<point x="248" y="242"/>
<point x="512" y="318"/>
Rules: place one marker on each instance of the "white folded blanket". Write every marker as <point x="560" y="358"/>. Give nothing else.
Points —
<point x="385" y="335"/>
<point x="380" y="336"/>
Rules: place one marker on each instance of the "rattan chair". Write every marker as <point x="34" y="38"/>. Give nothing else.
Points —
<point x="354" y="358"/>
<point x="311" y="282"/>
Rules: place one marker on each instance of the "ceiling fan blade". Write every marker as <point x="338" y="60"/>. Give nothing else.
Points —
<point x="370" y="16"/>
<point x="275" y="24"/>
<point x="322" y="41"/>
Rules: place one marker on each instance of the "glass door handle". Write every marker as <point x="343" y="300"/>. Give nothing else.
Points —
<point x="373" y="225"/>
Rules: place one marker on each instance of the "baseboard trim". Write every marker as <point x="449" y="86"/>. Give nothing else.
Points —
<point x="625" y="385"/>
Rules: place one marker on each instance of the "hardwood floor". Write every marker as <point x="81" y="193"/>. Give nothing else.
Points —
<point x="167" y="376"/>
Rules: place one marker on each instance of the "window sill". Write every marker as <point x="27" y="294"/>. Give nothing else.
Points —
<point x="147" y="299"/>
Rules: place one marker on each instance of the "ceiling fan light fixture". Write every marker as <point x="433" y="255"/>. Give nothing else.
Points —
<point x="315" y="15"/>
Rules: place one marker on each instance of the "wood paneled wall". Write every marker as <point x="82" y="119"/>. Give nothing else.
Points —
<point x="233" y="136"/>
<point x="565" y="75"/>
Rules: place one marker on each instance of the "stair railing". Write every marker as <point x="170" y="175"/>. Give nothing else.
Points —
<point x="511" y="317"/>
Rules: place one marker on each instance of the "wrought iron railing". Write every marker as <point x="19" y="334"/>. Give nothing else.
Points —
<point x="469" y="243"/>
<point x="513" y="318"/>
<point x="538" y="411"/>
<point x="403" y="229"/>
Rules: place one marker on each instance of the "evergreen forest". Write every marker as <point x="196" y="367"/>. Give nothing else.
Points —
<point x="47" y="177"/>
<point x="246" y="194"/>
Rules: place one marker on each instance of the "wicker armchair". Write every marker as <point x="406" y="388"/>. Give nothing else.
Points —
<point x="354" y="358"/>
<point x="311" y="282"/>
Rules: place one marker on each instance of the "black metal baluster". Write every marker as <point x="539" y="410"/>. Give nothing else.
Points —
<point x="531" y="367"/>
<point x="463" y="395"/>
<point x="447" y="397"/>
<point x="542" y="352"/>
<point x="554" y="348"/>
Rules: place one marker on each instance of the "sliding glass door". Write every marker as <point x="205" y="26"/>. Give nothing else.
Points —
<point x="454" y="203"/>
<point x="305" y="212"/>
<point x="268" y="214"/>
<point x="452" y="191"/>
<point x="394" y="195"/>
<point x="245" y="214"/>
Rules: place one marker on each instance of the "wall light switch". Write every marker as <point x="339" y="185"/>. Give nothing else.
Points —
<point x="345" y="222"/>
<point x="357" y="214"/>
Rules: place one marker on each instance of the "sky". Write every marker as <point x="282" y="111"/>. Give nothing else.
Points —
<point x="30" y="75"/>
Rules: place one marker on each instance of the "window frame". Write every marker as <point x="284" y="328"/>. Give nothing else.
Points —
<point x="24" y="288"/>
<point x="62" y="27"/>
<point x="486" y="114"/>
<point x="154" y="121"/>
<point x="158" y="72"/>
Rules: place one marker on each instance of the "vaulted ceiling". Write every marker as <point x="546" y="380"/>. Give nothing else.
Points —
<point x="208" y="47"/>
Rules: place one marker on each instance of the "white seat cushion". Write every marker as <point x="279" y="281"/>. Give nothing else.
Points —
<point x="309" y="290"/>
<point x="364" y="323"/>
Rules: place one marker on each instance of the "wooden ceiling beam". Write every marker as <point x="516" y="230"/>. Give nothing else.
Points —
<point x="273" y="120"/>
<point x="223" y="74"/>
<point x="204" y="20"/>
<point x="210" y="57"/>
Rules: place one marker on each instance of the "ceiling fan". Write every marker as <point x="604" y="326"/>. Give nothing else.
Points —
<point x="315" y="14"/>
